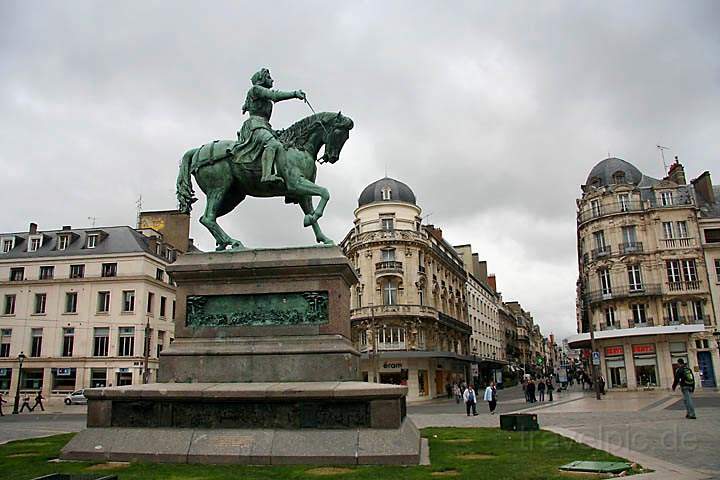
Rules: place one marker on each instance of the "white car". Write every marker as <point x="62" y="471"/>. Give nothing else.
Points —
<point x="76" y="397"/>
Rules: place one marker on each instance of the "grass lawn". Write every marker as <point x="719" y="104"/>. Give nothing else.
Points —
<point x="457" y="453"/>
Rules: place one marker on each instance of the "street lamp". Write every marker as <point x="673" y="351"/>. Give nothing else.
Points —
<point x="21" y="359"/>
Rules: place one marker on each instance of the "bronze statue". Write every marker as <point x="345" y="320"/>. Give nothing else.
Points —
<point x="228" y="171"/>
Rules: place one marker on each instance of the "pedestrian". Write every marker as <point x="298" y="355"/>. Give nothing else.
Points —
<point x="685" y="378"/>
<point x="531" y="391"/>
<point x="2" y="400"/>
<point x="26" y="403"/>
<point x="541" y="390"/>
<point x="38" y="402"/>
<point x="448" y="390"/>
<point x="470" y="400"/>
<point x="457" y="392"/>
<point x="525" y="390"/>
<point x="601" y="384"/>
<point x="491" y="397"/>
<point x="550" y="389"/>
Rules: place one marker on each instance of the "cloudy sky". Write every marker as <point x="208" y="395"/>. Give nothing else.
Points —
<point x="493" y="112"/>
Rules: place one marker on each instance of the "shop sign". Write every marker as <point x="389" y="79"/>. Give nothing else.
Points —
<point x="643" y="349"/>
<point x="63" y="372"/>
<point x="123" y="370"/>
<point x="613" y="351"/>
<point x="3" y="372"/>
<point x="390" y="365"/>
<point x="475" y="370"/>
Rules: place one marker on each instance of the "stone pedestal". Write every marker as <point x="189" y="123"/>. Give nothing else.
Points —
<point x="262" y="371"/>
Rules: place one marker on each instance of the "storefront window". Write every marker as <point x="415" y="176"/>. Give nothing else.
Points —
<point x="98" y="377"/>
<point x="124" y="378"/>
<point x="63" y="379"/>
<point x="422" y="383"/>
<point x="615" y="364"/>
<point x="32" y="379"/>
<point x="645" y="365"/>
<point x="5" y="375"/>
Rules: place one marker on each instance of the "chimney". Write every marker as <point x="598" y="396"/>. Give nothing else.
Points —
<point x="677" y="172"/>
<point x="66" y="228"/>
<point x="703" y="187"/>
<point x="492" y="282"/>
<point x="482" y="271"/>
<point x="33" y="228"/>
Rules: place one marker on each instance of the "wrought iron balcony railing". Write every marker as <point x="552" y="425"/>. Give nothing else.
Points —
<point x="684" y="285"/>
<point x="630" y="247"/>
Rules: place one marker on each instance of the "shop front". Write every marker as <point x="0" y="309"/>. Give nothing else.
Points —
<point x="615" y="367"/>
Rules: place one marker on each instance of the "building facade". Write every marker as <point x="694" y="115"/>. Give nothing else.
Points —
<point x="86" y="307"/>
<point x="409" y="311"/>
<point x="645" y="280"/>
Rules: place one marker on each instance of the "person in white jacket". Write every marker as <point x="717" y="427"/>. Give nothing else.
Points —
<point x="491" y="397"/>
<point x="470" y="400"/>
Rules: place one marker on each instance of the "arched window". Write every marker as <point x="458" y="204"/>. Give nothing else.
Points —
<point x="386" y="193"/>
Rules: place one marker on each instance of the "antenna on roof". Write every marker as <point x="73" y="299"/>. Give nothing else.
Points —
<point x="425" y="217"/>
<point x="662" y="154"/>
<point x="92" y="221"/>
<point x="138" y="206"/>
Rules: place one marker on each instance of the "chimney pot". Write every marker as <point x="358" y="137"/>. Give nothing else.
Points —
<point x="67" y="227"/>
<point x="33" y="228"/>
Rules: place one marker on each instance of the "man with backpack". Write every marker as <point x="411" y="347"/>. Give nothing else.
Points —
<point x="685" y="378"/>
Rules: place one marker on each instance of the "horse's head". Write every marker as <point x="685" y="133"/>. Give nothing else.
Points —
<point x="337" y="130"/>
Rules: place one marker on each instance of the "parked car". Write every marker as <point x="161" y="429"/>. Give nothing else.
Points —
<point x="76" y="397"/>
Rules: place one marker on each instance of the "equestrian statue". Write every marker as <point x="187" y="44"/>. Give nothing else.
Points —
<point x="264" y="162"/>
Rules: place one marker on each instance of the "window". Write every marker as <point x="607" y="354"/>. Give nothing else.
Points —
<point x="673" y="271"/>
<point x="610" y="317"/>
<point x="672" y="312"/>
<point x="682" y="229"/>
<point x="173" y="309"/>
<point x="71" y="302"/>
<point x="128" y="300"/>
<point x="421" y="296"/>
<point x="599" y="237"/>
<point x="634" y="278"/>
<point x="150" y="302"/>
<point x="605" y="285"/>
<point x="388" y="223"/>
<point x="388" y="255"/>
<point x="712" y="235"/>
<point x="618" y="177"/>
<point x="391" y="338"/>
<point x="5" y="339"/>
<point x="47" y="273"/>
<point x="639" y="313"/>
<point x="698" y="311"/>
<point x="40" y="303"/>
<point x="9" y="305"/>
<point x="63" y="242"/>
<point x="126" y="343"/>
<point x="160" y="343"/>
<point x="68" y="342"/>
<point x="103" y="305"/>
<point x="92" y="240"/>
<point x="629" y="235"/>
<point x="7" y="245"/>
<point x="35" y="244"/>
<point x="163" y="305"/>
<point x="389" y="293"/>
<point x="666" y="199"/>
<point x="36" y="342"/>
<point x="624" y="201"/>
<point x="595" y="208"/>
<point x="689" y="270"/>
<point x="668" y="230"/>
<point x="386" y="193"/>
<point x="77" y="271"/>
<point x="109" y="270"/>
<point x="101" y="340"/>
<point x="17" y="274"/>
<point x="717" y="269"/>
<point x="160" y="275"/>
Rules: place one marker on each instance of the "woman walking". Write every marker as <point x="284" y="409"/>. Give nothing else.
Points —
<point x="491" y="397"/>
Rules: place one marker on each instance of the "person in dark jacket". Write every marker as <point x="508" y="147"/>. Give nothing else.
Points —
<point x="531" y="390"/>
<point x="541" y="390"/>
<point x="38" y="402"/>
<point x="550" y="388"/>
<point x="685" y="378"/>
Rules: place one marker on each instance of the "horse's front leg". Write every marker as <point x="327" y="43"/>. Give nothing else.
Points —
<point x="303" y="187"/>
<point x="306" y="205"/>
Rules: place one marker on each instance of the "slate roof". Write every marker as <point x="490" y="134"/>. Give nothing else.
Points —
<point x="373" y="192"/>
<point x="605" y="170"/>
<point x="116" y="240"/>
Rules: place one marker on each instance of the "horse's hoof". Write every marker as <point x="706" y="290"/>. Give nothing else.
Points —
<point x="220" y="248"/>
<point x="308" y="220"/>
<point x="238" y="247"/>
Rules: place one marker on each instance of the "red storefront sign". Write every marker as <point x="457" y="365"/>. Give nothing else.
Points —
<point x="613" y="351"/>
<point x="641" y="349"/>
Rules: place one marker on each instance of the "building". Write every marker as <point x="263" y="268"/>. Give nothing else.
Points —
<point x="409" y="311"/>
<point x="647" y="249"/>
<point x="87" y="307"/>
<point x="486" y="341"/>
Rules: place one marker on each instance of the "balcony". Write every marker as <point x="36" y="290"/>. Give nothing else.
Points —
<point x="649" y="322"/>
<point x="648" y="289"/>
<point x="691" y="320"/>
<point x="684" y="286"/>
<point x="677" y="242"/>
<point x="608" y="209"/>
<point x="388" y="267"/>
<point x="601" y="252"/>
<point x="630" y="248"/>
<point x="393" y="311"/>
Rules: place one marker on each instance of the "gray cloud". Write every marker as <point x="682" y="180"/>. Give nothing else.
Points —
<point x="493" y="114"/>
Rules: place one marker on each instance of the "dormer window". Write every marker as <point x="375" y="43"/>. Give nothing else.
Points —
<point x="8" y="244"/>
<point x="618" y="177"/>
<point x="386" y="193"/>
<point x="92" y="240"/>
<point x="666" y="199"/>
<point x="63" y="242"/>
<point x="35" y="243"/>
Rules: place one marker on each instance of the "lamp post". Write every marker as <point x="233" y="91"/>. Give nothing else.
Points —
<point x="21" y="359"/>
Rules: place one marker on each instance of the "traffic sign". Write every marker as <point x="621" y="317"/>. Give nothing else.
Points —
<point x="596" y="358"/>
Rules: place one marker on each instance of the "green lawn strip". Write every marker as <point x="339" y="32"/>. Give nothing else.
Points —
<point x="462" y="453"/>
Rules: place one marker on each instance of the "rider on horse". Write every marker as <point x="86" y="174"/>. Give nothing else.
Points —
<point x="256" y="137"/>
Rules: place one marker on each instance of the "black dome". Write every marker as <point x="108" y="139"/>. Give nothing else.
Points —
<point x="399" y="192"/>
<point x="613" y="171"/>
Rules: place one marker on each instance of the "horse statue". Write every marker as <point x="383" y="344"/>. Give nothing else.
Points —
<point x="227" y="176"/>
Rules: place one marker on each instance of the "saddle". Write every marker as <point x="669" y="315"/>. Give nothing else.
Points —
<point x="211" y="153"/>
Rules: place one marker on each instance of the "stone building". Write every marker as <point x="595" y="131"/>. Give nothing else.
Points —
<point x="87" y="307"/>
<point x="409" y="311"/>
<point x="647" y="250"/>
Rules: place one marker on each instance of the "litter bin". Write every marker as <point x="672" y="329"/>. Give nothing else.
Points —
<point x="519" y="422"/>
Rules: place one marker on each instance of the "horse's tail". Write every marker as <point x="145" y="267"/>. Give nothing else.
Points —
<point x="184" y="188"/>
